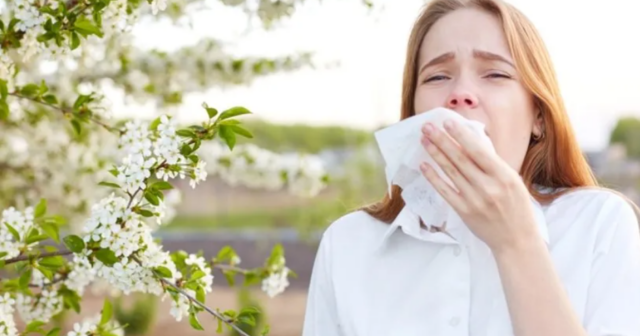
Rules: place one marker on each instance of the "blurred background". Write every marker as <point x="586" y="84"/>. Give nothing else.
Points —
<point x="337" y="79"/>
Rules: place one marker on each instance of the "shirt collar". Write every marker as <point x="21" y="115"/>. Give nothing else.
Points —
<point x="409" y="223"/>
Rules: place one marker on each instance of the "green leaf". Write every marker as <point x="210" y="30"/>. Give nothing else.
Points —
<point x="74" y="243"/>
<point x="54" y="332"/>
<point x="52" y="231"/>
<point x="152" y="198"/>
<point x="193" y="320"/>
<point x="4" y="110"/>
<point x="81" y="100"/>
<point x="241" y="131"/>
<point x="54" y="262"/>
<point x="226" y="253"/>
<point x="35" y="237"/>
<point x="56" y="219"/>
<point x="154" y="124"/>
<point x="144" y="212"/>
<point x="219" y="328"/>
<point x="4" y="91"/>
<point x="162" y="185"/>
<point x="163" y="271"/>
<point x="185" y="150"/>
<point x="51" y="99"/>
<point x="29" y="90"/>
<point x="34" y="326"/>
<point x="87" y="27"/>
<point x="75" y="41"/>
<point x="3" y="254"/>
<point x="41" y="208"/>
<point x="233" y="112"/>
<point x="178" y="258"/>
<point x="25" y="278"/>
<point x="76" y="126"/>
<point x="13" y="231"/>
<point x="187" y="133"/>
<point x="114" y="172"/>
<point x="248" y="319"/>
<point x="106" y="256"/>
<point x="109" y="184"/>
<point x="107" y="312"/>
<point x="228" y="136"/>
<point x="266" y="330"/>
<point x="251" y="278"/>
<point x="211" y="112"/>
<point x="194" y="158"/>
<point x="200" y="295"/>
<point x="71" y="299"/>
<point x="48" y="273"/>
<point x="230" y="276"/>
<point x="197" y="275"/>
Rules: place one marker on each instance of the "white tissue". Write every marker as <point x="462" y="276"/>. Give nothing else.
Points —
<point x="403" y="153"/>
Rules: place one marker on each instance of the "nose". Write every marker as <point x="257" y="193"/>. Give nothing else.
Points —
<point x="462" y="99"/>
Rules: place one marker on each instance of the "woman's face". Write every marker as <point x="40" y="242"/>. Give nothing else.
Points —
<point x="465" y="65"/>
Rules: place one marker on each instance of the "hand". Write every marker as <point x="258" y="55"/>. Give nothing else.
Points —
<point x="490" y="198"/>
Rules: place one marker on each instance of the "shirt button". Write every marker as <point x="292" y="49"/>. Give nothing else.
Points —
<point x="454" y="321"/>
<point x="457" y="250"/>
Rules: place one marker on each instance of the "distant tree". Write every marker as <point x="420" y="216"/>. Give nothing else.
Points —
<point x="627" y="132"/>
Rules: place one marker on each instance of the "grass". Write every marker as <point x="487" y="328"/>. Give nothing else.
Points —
<point x="316" y="215"/>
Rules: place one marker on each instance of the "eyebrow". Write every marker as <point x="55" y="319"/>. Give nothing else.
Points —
<point x="479" y="54"/>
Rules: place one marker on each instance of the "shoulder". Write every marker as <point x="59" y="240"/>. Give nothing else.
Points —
<point x="353" y="237"/>
<point x="355" y="226"/>
<point x="601" y="201"/>
<point x="603" y="212"/>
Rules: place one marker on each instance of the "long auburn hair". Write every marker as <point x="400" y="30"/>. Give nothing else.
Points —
<point x="555" y="161"/>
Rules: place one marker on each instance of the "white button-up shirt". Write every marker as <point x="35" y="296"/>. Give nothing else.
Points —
<point x="375" y="279"/>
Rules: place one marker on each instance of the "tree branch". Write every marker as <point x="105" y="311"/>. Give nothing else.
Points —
<point x="229" y="268"/>
<point x="66" y="111"/>
<point x="40" y="256"/>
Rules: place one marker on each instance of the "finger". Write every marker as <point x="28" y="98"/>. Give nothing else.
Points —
<point x="479" y="154"/>
<point x="444" y="189"/>
<point x="456" y="157"/>
<point x="463" y="186"/>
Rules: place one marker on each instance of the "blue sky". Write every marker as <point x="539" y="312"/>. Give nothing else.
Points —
<point x="596" y="50"/>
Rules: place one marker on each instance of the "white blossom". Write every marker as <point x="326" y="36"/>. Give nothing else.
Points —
<point x="180" y="305"/>
<point x="42" y="307"/>
<point x="277" y="281"/>
<point x="21" y="222"/>
<point x="83" y="329"/>
<point x="7" y="323"/>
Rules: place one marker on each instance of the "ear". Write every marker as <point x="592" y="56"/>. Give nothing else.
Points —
<point x="538" y="123"/>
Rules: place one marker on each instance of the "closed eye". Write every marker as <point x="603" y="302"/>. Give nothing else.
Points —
<point x="497" y="75"/>
<point x="435" y="78"/>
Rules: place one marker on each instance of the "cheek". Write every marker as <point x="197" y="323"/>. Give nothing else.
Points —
<point x="510" y="125"/>
<point x="427" y="99"/>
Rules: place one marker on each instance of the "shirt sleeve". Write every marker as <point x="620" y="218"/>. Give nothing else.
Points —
<point x="321" y="318"/>
<point x="613" y="303"/>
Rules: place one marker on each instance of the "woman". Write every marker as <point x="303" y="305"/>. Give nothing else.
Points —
<point x="573" y="271"/>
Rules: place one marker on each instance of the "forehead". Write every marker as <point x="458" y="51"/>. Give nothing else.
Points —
<point x="463" y="30"/>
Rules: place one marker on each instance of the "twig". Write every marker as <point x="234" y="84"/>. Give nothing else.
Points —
<point x="229" y="268"/>
<point x="194" y="300"/>
<point x="43" y="255"/>
<point x="201" y="305"/>
<point x="65" y="111"/>
<point x="48" y="283"/>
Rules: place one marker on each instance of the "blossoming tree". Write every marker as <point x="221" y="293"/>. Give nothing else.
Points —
<point x="65" y="165"/>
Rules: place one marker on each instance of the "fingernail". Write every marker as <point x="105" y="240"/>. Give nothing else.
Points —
<point x="425" y="141"/>
<point x="424" y="167"/>
<point x="428" y="129"/>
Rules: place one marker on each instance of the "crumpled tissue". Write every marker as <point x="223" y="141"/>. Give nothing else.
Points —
<point x="403" y="153"/>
